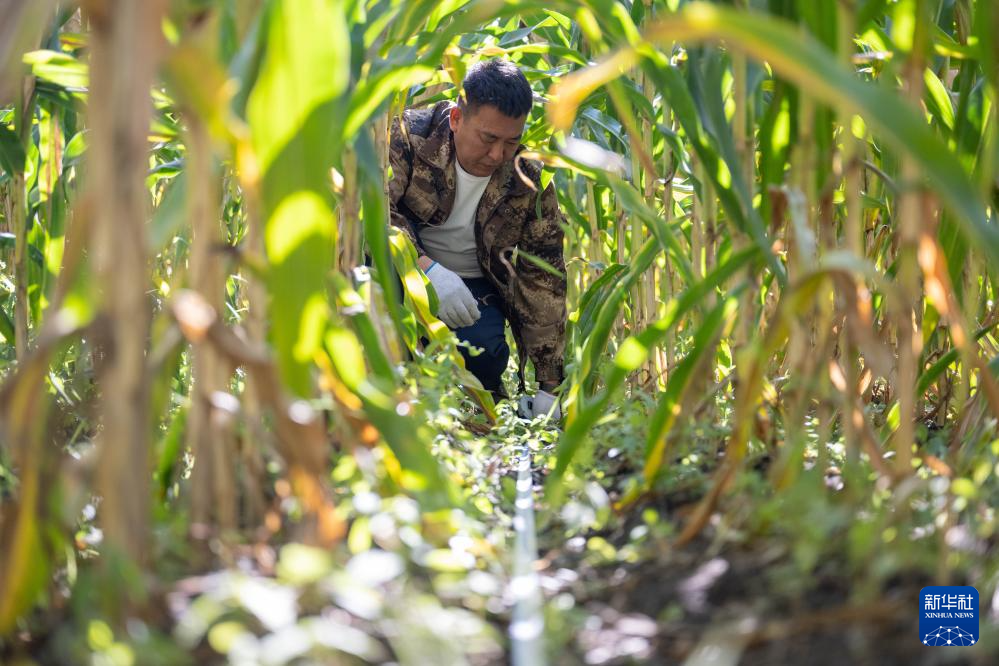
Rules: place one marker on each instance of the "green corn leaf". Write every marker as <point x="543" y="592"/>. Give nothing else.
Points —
<point x="938" y="99"/>
<point x="589" y="304"/>
<point x="421" y="300"/>
<point x="11" y="151"/>
<point x="737" y="209"/>
<point x="537" y="261"/>
<point x="372" y="92"/>
<point x="803" y="61"/>
<point x="293" y="108"/>
<point x="932" y="373"/>
<point x="631" y="355"/>
<point x="392" y="417"/>
<point x="6" y="327"/>
<point x="354" y="310"/>
<point x="667" y="410"/>
<point x="60" y="69"/>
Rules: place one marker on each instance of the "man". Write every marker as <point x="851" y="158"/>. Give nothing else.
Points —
<point x="456" y="193"/>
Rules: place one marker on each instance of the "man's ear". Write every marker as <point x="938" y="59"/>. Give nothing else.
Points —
<point x="454" y="117"/>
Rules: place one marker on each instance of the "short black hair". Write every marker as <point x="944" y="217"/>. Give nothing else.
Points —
<point x="499" y="83"/>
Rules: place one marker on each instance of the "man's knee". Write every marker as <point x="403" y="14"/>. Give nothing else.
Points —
<point x="491" y="342"/>
<point x="489" y="363"/>
<point x="495" y="356"/>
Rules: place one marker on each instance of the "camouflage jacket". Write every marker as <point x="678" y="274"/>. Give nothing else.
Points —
<point x="510" y="216"/>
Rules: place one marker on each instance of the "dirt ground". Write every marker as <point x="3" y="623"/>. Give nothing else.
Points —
<point x="721" y="604"/>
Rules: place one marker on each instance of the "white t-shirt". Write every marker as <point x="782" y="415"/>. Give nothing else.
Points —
<point x="452" y="244"/>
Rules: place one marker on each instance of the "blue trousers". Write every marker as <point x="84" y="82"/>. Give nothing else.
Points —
<point x="488" y="334"/>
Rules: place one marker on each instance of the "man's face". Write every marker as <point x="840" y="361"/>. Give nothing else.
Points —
<point x="485" y="138"/>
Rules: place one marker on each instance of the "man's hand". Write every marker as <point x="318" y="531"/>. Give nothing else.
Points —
<point x="542" y="403"/>
<point x="457" y="305"/>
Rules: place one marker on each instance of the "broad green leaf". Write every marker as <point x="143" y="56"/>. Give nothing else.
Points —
<point x="299" y="242"/>
<point x="306" y="65"/>
<point x="294" y="110"/>
<point x="61" y="69"/>
<point x="938" y="99"/>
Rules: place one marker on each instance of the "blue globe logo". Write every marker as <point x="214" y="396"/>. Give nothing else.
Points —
<point x="943" y="636"/>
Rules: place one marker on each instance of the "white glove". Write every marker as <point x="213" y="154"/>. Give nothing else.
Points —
<point x="542" y="404"/>
<point x="457" y="305"/>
